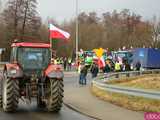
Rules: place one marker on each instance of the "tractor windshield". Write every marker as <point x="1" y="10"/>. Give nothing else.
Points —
<point x="33" y="58"/>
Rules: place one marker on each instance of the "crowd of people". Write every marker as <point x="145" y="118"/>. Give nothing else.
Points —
<point x="110" y="66"/>
<point x="94" y="66"/>
<point x="66" y="62"/>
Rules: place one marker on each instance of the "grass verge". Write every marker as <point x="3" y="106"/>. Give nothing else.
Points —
<point x="151" y="82"/>
<point x="129" y="102"/>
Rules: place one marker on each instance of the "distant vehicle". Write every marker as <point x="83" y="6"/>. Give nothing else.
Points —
<point x="149" y="58"/>
<point x="124" y="55"/>
<point x="88" y="53"/>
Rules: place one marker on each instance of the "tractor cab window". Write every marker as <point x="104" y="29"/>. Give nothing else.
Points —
<point x="33" y="58"/>
<point x="13" y="56"/>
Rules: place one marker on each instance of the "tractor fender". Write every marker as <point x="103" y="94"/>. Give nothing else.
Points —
<point x="54" y="71"/>
<point x="13" y="70"/>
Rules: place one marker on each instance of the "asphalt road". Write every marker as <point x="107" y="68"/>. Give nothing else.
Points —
<point x="30" y="112"/>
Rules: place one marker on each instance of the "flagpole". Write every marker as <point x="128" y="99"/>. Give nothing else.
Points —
<point x="50" y="39"/>
<point x="51" y="48"/>
<point x="77" y="30"/>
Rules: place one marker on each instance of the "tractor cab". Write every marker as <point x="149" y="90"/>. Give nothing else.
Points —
<point x="33" y="58"/>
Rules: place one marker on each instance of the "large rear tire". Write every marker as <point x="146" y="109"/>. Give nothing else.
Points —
<point x="10" y="94"/>
<point x="55" y="98"/>
<point x="1" y="101"/>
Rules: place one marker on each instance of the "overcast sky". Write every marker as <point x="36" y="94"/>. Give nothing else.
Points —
<point x="65" y="9"/>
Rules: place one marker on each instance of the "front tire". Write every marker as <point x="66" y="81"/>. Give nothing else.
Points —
<point x="1" y="101"/>
<point x="55" y="98"/>
<point x="40" y="103"/>
<point x="10" y="95"/>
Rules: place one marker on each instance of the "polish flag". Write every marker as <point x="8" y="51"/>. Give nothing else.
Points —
<point x="101" y="62"/>
<point x="58" y="33"/>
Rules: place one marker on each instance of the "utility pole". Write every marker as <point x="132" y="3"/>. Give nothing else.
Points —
<point x="77" y="30"/>
<point x="0" y="6"/>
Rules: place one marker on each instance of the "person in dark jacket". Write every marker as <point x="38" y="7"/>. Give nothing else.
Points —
<point x="107" y="67"/>
<point x="138" y="66"/>
<point x="65" y="63"/>
<point x="83" y="74"/>
<point x="94" y="70"/>
<point x="127" y="66"/>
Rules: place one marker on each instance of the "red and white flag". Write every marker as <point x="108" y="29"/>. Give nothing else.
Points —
<point x="101" y="62"/>
<point x="58" y="33"/>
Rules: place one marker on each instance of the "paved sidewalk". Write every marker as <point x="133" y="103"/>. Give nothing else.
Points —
<point x="80" y="97"/>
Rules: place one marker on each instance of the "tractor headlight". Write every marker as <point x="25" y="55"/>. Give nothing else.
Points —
<point x="56" y="75"/>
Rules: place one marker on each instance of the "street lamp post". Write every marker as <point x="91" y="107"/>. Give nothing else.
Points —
<point x="76" y="30"/>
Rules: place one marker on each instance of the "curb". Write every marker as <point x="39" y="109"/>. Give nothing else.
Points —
<point x="72" y="107"/>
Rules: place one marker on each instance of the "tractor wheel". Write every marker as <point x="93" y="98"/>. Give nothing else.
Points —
<point x="55" y="98"/>
<point x="10" y="94"/>
<point x="1" y="101"/>
<point x="40" y="103"/>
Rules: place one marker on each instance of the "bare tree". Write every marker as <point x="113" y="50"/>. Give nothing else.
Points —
<point x="21" y="17"/>
<point x="155" y="32"/>
<point x="30" y="17"/>
<point x="12" y="15"/>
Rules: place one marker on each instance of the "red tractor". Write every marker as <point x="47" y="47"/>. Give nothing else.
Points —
<point x="31" y="74"/>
